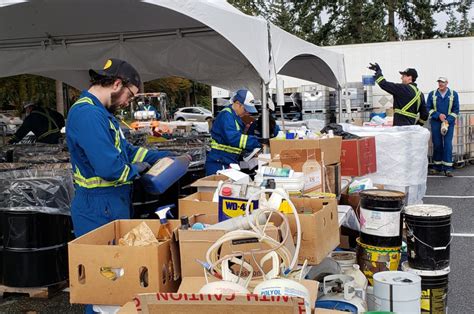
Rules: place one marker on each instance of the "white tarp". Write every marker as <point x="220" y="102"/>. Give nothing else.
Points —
<point x="204" y="40"/>
<point x="402" y="161"/>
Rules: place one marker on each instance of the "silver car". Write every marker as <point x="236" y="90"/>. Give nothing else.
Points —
<point x="193" y="114"/>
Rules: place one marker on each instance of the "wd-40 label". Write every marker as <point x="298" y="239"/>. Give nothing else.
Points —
<point x="230" y="207"/>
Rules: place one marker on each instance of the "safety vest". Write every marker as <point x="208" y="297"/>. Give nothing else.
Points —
<point x="98" y="182"/>
<point x="228" y="148"/>
<point x="51" y="123"/>
<point x="450" y="105"/>
<point x="404" y="111"/>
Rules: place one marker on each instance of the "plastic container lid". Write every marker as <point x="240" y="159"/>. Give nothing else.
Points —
<point x="226" y="191"/>
<point x="382" y="194"/>
<point x="427" y="210"/>
<point x="397" y="278"/>
<point x="425" y="273"/>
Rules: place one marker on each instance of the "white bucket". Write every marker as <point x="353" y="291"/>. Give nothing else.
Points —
<point x="344" y="259"/>
<point x="397" y="291"/>
<point x="370" y="299"/>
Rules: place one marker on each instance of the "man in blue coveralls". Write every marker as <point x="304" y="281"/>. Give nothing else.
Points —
<point x="443" y="106"/>
<point x="227" y="132"/>
<point x="103" y="162"/>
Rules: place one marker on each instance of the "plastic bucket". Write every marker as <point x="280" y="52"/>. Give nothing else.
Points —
<point x="397" y="291"/>
<point x="344" y="259"/>
<point x="434" y="289"/>
<point x="337" y="306"/>
<point x="368" y="80"/>
<point x="372" y="259"/>
<point x="380" y="217"/>
<point x="428" y="236"/>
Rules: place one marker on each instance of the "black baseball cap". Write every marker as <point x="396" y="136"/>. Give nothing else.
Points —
<point x="120" y="69"/>
<point x="410" y="72"/>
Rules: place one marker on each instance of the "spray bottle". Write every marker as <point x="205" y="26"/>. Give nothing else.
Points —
<point x="165" y="232"/>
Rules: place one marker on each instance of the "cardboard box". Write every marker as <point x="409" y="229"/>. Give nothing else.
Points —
<point x="308" y="161"/>
<point x="198" y="203"/>
<point x="194" y="284"/>
<point x="320" y="228"/>
<point x="193" y="244"/>
<point x="96" y="249"/>
<point x="333" y="179"/>
<point x="181" y="303"/>
<point x="358" y="157"/>
<point x="330" y="147"/>
<point x="209" y="183"/>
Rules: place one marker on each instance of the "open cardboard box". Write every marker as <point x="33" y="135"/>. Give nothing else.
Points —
<point x="198" y="203"/>
<point x="330" y="147"/>
<point x="358" y="157"/>
<point x="209" y="183"/>
<point x="319" y="225"/>
<point x="96" y="249"/>
<point x="193" y="245"/>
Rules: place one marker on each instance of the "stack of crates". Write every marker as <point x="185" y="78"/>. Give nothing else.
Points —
<point x="314" y="97"/>
<point x="355" y="92"/>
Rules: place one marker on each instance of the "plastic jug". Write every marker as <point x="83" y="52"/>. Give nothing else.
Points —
<point x="164" y="173"/>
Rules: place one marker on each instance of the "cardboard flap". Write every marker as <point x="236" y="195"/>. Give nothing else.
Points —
<point x="174" y="303"/>
<point x="295" y="158"/>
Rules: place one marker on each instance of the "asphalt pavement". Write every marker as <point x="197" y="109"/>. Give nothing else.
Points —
<point x="458" y="193"/>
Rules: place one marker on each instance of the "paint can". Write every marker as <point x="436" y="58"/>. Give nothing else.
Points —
<point x="428" y="236"/>
<point x="380" y="217"/>
<point x="372" y="259"/>
<point x="434" y="289"/>
<point x="397" y="291"/>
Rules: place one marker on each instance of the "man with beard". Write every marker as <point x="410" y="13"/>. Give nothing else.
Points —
<point x="103" y="162"/>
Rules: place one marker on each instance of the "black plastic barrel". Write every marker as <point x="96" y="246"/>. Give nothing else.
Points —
<point x="380" y="217"/>
<point x="34" y="248"/>
<point x="428" y="236"/>
<point x="434" y="289"/>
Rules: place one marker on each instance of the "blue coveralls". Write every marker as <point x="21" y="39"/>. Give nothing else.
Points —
<point x="443" y="145"/>
<point x="228" y="141"/>
<point x="102" y="162"/>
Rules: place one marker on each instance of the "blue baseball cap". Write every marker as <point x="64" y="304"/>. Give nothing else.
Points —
<point x="246" y="98"/>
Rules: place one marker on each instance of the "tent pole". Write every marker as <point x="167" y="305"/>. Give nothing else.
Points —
<point x="265" y="116"/>
<point x="339" y="93"/>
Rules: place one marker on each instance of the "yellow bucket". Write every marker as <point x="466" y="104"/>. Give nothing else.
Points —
<point x="373" y="259"/>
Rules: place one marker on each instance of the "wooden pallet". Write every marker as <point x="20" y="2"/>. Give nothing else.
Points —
<point x="35" y="292"/>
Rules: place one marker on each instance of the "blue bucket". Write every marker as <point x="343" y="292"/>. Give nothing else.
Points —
<point x="337" y="305"/>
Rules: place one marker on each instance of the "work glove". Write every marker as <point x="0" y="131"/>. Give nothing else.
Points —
<point x="264" y="141"/>
<point x="142" y="167"/>
<point x="375" y="67"/>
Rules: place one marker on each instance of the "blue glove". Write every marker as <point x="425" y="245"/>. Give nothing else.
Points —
<point x="142" y="167"/>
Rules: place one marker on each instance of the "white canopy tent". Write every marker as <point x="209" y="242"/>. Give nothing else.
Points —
<point x="208" y="41"/>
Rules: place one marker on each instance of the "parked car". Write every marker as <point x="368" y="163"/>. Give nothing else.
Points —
<point x="11" y="123"/>
<point x="193" y="114"/>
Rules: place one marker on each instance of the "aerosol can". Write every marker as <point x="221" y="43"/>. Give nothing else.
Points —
<point x="278" y="286"/>
<point x="342" y="288"/>
<point x="444" y="127"/>
<point x="230" y="283"/>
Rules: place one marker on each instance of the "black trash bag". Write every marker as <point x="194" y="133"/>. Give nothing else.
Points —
<point x="337" y="130"/>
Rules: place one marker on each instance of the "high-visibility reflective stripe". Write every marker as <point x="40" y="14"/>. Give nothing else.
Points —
<point x="380" y="79"/>
<point x="237" y="126"/>
<point x="405" y="113"/>
<point x="98" y="182"/>
<point x="225" y="148"/>
<point x="422" y="121"/>
<point x="431" y="112"/>
<point x="434" y="101"/>
<point x="83" y="100"/>
<point x="449" y="164"/>
<point x="451" y="99"/>
<point x="140" y="155"/>
<point x="125" y="172"/>
<point x="437" y="162"/>
<point x="243" y="141"/>
<point x="117" y="137"/>
<point x="453" y="115"/>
